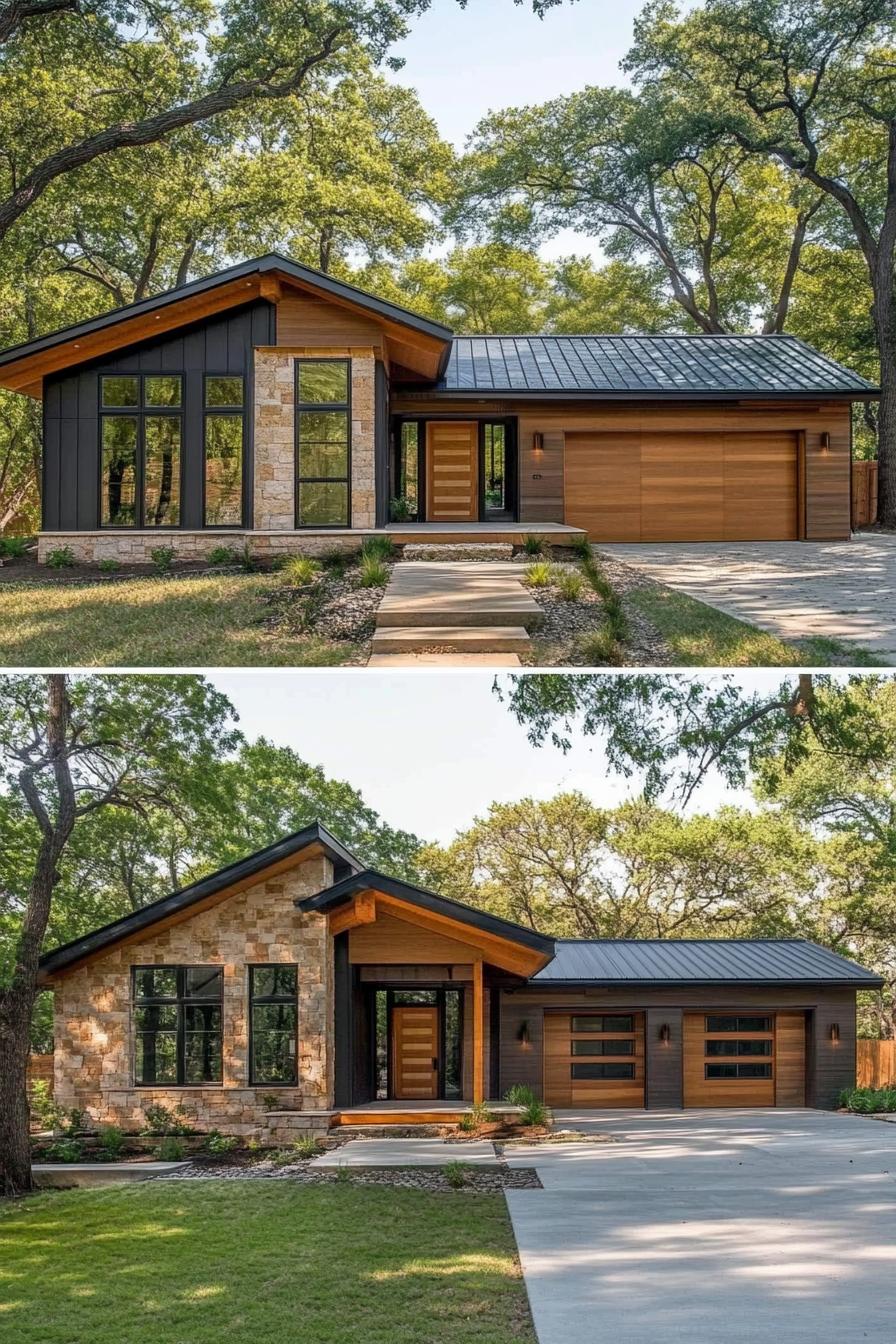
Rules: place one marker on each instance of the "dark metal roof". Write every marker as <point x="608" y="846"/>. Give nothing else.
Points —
<point x="646" y="366"/>
<point x="272" y="262"/>
<point x="342" y="858"/>
<point x="755" y="961"/>
<point x="341" y="892"/>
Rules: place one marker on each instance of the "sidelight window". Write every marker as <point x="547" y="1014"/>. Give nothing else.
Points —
<point x="273" y="1011"/>
<point x="177" y="1025"/>
<point x="224" y="441"/>
<point x="141" y="434"/>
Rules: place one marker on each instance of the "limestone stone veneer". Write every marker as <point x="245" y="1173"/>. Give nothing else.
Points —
<point x="94" y="1069"/>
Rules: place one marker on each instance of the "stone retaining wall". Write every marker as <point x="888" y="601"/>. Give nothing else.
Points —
<point x="135" y="548"/>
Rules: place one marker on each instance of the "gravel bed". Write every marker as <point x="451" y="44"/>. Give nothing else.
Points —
<point x="477" y="1180"/>
<point x="334" y="607"/>
<point x="645" y="646"/>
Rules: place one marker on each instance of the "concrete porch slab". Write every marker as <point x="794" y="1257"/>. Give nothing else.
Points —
<point x="407" y="1153"/>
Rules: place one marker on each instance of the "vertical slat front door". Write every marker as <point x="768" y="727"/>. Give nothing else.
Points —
<point x="415" y="1046"/>
<point x="452" y="471"/>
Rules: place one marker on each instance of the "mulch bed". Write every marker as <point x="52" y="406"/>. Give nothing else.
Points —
<point x="25" y="570"/>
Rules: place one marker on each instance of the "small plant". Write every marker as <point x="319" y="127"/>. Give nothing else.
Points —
<point x="299" y="570"/>
<point x="271" y="1101"/>
<point x="582" y="548"/>
<point x="570" y="585"/>
<point x="12" y="548"/>
<point x="519" y="1095"/>
<point x="112" y="1141"/>
<point x="869" y="1100"/>
<point x="534" y="1114"/>
<point x="247" y="559"/>
<point x="540" y="574"/>
<point x="383" y="547"/>
<point x="337" y="559"/>
<point x="170" y="1149"/>
<point x="401" y="510"/>
<point x="223" y="555"/>
<point x="456" y="1174"/>
<point x="62" y="558"/>
<point x="66" y="1150"/>
<point x="374" y="573"/>
<point x="306" y="1146"/>
<point x="74" y="1121"/>
<point x="253" y="1145"/>
<point x="283" y="1157"/>
<point x="600" y="649"/>
<point x="477" y="1116"/>
<point x="109" y="565"/>
<point x="162" y="557"/>
<point x="343" y="1175"/>
<point x="44" y="1109"/>
<point x="218" y="1144"/>
<point x="160" y="1120"/>
<point x="533" y="545"/>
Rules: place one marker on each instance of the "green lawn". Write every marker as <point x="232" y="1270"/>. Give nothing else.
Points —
<point x="701" y="636"/>
<point x="213" y="620"/>
<point x="259" y="1262"/>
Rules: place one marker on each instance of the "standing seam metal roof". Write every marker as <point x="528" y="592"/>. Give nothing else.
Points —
<point x="645" y="364"/>
<point x="769" y="960"/>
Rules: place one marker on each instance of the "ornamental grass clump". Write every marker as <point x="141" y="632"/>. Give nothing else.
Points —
<point x="299" y="570"/>
<point x="374" y="572"/>
<point x="383" y="547"/>
<point x="540" y="574"/>
<point x="456" y="1174"/>
<point x="570" y="585"/>
<point x="533" y="545"/>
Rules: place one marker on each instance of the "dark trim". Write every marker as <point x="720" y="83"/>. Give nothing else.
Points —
<point x="733" y="395"/>
<point x="871" y="982"/>
<point x="323" y="407"/>
<point x="78" y="948"/>
<point x="511" y="469"/>
<point x="181" y="1001"/>
<point x="441" y="990"/>
<point x="510" y="423"/>
<point x="341" y="892"/>
<point x="252" y="1000"/>
<point x="140" y="413"/>
<point x="343" y="1023"/>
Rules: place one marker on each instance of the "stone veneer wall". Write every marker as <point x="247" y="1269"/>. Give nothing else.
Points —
<point x="93" y="1037"/>
<point x="135" y="548"/>
<point x="275" y="456"/>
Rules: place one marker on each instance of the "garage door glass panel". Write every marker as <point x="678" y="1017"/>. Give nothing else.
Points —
<point x="603" y="1070"/>
<point x="738" y="1024"/>
<point x="738" y="1070"/>
<point x="603" y="1023"/>
<point x="603" y="1047"/>
<point x="738" y="1048"/>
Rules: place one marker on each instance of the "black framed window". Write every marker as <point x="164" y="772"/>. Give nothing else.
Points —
<point x="603" y="1047"/>
<point x="597" y="1071"/>
<point x="273" y="1017"/>
<point x="728" y="1048"/>
<point x="141" y="438"/>
<point x="604" y="1023"/>
<point x="737" y="1070"/>
<point x="737" y="1023"/>
<point x="178" y="1012"/>
<point x="224" y="437"/>
<point x="323" y="442"/>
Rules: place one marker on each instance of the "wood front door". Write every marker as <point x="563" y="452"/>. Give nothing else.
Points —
<point x="452" y="471"/>
<point x="415" y="1053"/>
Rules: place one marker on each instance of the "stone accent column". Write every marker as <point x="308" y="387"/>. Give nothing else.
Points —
<point x="363" y="438"/>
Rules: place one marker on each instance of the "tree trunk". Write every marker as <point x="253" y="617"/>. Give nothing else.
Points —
<point x="885" y="313"/>
<point x="15" y="1147"/>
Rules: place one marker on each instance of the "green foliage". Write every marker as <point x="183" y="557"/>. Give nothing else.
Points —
<point x="299" y="570"/>
<point x="271" y="1101"/>
<point x="533" y="545"/>
<point x="456" y="1174"/>
<point x="63" y="557"/>
<point x="218" y="1144"/>
<point x="868" y="1100"/>
<point x="171" y="1149"/>
<point x="476" y="1117"/>
<point x="306" y="1147"/>
<point x="44" y="1109"/>
<point x="12" y="548"/>
<point x="374" y="572"/>
<point x="162" y="1120"/>
<point x="223" y="555"/>
<point x="343" y="1176"/>
<point x="534" y="1114"/>
<point x="570" y="585"/>
<point x="162" y="557"/>
<point x="401" y="510"/>
<point x="540" y="574"/>
<point x="66" y="1150"/>
<point x="519" y="1095"/>
<point x="381" y="547"/>
<point x="111" y="1141"/>
<point x="109" y="565"/>
<point x="600" y="648"/>
<point x="582" y="548"/>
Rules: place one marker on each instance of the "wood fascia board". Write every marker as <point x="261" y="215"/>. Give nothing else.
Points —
<point x="500" y="952"/>
<point x="147" y="933"/>
<point x="27" y="374"/>
<point x="362" y="910"/>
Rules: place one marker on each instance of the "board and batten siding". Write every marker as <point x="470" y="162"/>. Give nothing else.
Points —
<point x="71" y="456"/>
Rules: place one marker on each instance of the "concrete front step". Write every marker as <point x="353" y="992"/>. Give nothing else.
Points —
<point x="457" y="593"/>
<point x="388" y="661"/>
<point x="497" y="550"/>
<point x="451" y="639"/>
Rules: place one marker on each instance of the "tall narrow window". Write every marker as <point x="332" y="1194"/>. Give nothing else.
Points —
<point x="224" y="438"/>
<point x="177" y="1025"/>
<point x="495" y="468"/>
<point x="273" y="1012"/>
<point x="323" y="435"/>
<point x="406" y="490"/>
<point x="141" y="433"/>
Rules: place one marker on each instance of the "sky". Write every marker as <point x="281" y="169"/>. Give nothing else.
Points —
<point x="428" y="750"/>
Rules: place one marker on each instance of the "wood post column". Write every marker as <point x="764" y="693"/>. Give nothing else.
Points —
<point x="478" y="1034"/>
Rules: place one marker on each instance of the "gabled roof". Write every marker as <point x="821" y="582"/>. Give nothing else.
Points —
<point x="369" y="879"/>
<point x="704" y="961"/>
<point x="236" y="876"/>
<point x="647" y="366"/>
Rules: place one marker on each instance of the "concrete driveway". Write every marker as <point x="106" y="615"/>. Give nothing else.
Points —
<point x="840" y="589"/>
<point x="712" y="1227"/>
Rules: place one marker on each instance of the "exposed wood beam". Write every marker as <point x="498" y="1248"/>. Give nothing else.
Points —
<point x="362" y="910"/>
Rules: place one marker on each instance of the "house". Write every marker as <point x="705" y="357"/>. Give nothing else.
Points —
<point x="298" y="981"/>
<point x="273" y="405"/>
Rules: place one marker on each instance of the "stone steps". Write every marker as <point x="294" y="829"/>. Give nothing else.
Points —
<point x="451" y="639"/>
<point x="388" y="661"/>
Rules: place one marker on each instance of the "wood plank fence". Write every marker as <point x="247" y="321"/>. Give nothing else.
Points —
<point x="875" y="1063"/>
<point x="864" y="493"/>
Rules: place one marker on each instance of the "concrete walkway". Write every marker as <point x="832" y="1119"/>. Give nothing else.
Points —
<point x="407" y="1153"/>
<point x="454" y="613"/>
<point x="712" y="1227"/>
<point x="843" y="590"/>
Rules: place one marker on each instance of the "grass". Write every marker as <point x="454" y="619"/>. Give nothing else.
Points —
<point x="702" y="636"/>
<point x="170" y="621"/>
<point x="223" y="1262"/>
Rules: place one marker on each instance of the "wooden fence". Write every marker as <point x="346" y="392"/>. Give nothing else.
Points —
<point x="864" y="493"/>
<point x="876" y="1063"/>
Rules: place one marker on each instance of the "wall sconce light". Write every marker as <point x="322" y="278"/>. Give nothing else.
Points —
<point x="835" y="1033"/>
<point x="825" y="442"/>
<point x="665" y="1033"/>
<point x="537" y="442"/>
<point x="522" y="1035"/>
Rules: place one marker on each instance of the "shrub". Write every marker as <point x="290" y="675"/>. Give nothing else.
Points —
<point x="271" y="1101"/>
<point x="74" y="1121"/>
<point x="307" y="1146"/>
<point x="533" y="545"/>
<point x="343" y="1176"/>
<point x="44" y="1109"/>
<point x="477" y="1116"/>
<point x="582" y="548"/>
<point x="534" y="1113"/>
<point x="299" y="570"/>
<point x="223" y="555"/>
<point x="869" y="1100"/>
<point x="401" y="510"/>
<point x="247" y="559"/>
<point x="456" y="1174"/>
<point x="160" y="1120"/>
<point x="108" y="565"/>
<point x="383" y="547"/>
<point x="374" y="573"/>
<point x="66" y="1150"/>
<point x="62" y="558"/>
<point x="335" y="558"/>
<point x="540" y="574"/>
<point x="112" y="1142"/>
<point x="162" y="557"/>
<point x="219" y="1144"/>
<point x="12" y="548"/>
<point x="570" y="584"/>
<point x="600" y="649"/>
<point x="170" y="1150"/>
<point x="519" y="1095"/>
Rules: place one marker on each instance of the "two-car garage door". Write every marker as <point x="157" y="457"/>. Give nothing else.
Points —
<point x="652" y="486"/>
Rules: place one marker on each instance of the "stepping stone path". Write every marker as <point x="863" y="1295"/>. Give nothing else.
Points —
<point x="453" y="611"/>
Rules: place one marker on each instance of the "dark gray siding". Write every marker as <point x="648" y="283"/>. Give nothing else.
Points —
<point x="381" y="444"/>
<point x="831" y="1067"/>
<point x="664" y="1059"/>
<point x="518" y="1062"/>
<point x="71" y="464"/>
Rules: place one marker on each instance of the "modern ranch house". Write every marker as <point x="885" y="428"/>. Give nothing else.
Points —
<point x="298" y="989"/>
<point x="273" y="405"/>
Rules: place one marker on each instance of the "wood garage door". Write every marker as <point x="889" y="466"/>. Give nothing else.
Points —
<point x="594" y="1059"/>
<point x="744" y="1059"/>
<point x="683" y="487"/>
